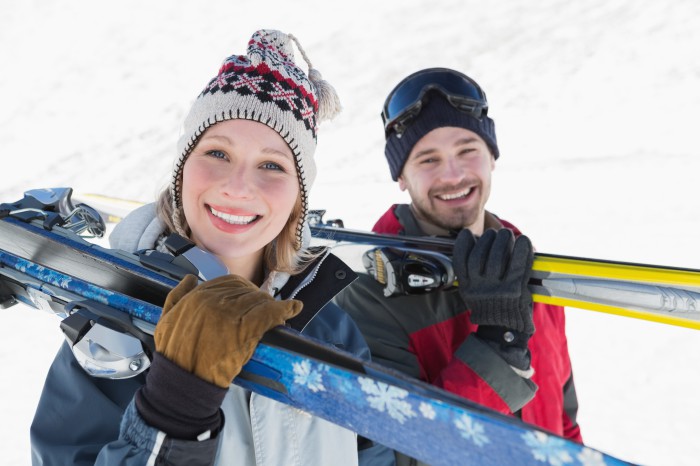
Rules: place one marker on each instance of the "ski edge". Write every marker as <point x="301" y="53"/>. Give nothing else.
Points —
<point x="618" y="311"/>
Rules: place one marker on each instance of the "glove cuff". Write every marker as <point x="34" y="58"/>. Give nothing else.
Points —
<point x="178" y="402"/>
<point x="510" y="344"/>
<point x="502" y="312"/>
<point x="504" y="336"/>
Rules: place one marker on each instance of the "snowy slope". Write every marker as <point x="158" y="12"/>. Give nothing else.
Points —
<point x="595" y="102"/>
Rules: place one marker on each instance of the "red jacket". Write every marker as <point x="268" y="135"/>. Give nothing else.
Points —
<point x="431" y="337"/>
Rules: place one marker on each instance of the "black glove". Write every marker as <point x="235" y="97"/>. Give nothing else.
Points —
<point x="493" y="272"/>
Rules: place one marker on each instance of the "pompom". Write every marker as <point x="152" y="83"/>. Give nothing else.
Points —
<point x="328" y="102"/>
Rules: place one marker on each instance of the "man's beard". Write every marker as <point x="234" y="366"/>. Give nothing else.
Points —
<point x="449" y="219"/>
<point x="452" y="221"/>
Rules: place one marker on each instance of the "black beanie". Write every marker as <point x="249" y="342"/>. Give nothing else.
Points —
<point x="436" y="113"/>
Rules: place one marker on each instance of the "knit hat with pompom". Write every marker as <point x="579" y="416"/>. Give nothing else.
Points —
<point x="267" y="86"/>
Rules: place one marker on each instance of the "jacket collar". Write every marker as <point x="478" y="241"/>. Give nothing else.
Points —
<point x="316" y="286"/>
<point x="412" y="227"/>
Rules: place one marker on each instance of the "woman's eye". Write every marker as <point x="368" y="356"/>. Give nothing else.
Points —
<point x="216" y="154"/>
<point x="272" y="166"/>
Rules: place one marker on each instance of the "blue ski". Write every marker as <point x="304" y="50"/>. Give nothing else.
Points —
<point x="46" y="264"/>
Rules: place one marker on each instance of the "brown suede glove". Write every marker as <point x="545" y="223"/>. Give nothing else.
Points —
<point x="211" y="330"/>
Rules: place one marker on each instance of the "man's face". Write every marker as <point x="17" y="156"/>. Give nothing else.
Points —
<point x="448" y="176"/>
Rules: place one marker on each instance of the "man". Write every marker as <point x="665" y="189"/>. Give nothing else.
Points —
<point x="477" y="340"/>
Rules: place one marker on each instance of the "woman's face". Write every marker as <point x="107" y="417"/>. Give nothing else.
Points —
<point x="238" y="190"/>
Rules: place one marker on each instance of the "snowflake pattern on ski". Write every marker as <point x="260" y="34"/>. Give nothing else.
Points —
<point x="548" y="449"/>
<point x="383" y="397"/>
<point x="305" y="375"/>
<point x="472" y="430"/>
<point x="589" y="457"/>
<point x="427" y="411"/>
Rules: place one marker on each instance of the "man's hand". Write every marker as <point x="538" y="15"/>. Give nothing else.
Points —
<point x="493" y="273"/>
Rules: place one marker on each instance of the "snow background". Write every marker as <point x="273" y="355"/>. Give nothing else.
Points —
<point x="596" y="104"/>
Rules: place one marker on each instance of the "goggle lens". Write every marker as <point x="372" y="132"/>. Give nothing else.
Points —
<point x="406" y="99"/>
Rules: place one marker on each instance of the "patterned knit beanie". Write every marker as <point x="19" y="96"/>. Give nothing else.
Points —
<point x="265" y="85"/>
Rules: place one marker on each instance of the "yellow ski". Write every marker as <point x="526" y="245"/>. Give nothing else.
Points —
<point x="667" y="295"/>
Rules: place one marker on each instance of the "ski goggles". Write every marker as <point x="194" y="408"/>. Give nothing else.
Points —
<point x="404" y="103"/>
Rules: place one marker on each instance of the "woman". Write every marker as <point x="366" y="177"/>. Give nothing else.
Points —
<point x="239" y="190"/>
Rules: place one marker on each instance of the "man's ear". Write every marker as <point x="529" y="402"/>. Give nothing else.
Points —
<point x="402" y="183"/>
<point x="493" y="162"/>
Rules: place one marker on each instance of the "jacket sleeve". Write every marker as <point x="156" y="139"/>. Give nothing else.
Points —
<point x="478" y="373"/>
<point x="424" y="337"/>
<point x="570" y="427"/>
<point x="556" y="405"/>
<point x="572" y="431"/>
<point x="82" y="420"/>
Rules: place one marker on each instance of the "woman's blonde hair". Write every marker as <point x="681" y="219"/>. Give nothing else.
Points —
<point x="284" y="254"/>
